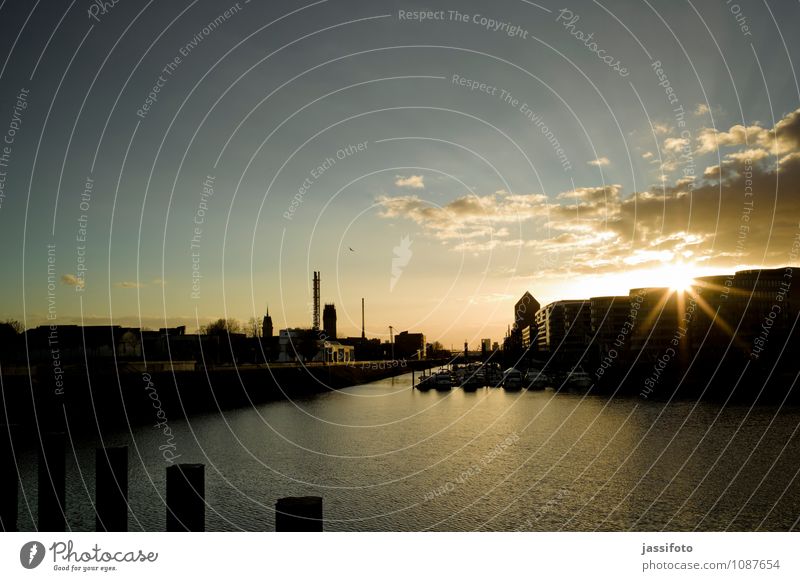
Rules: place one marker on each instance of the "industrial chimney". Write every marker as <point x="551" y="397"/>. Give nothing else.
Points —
<point x="315" y="322"/>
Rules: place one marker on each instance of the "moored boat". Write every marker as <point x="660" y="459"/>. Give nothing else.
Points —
<point x="473" y="381"/>
<point x="442" y="381"/>
<point x="512" y="379"/>
<point x="425" y="383"/>
<point x="536" y="379"/>
<point x="494" y="377"/>
<point x="579" y="379"/>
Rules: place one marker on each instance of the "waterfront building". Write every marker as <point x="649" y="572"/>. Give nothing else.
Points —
<point x="564" y="328"/>
<point x="525" y="311"/>
<point x="335" y="352"/>
<point x="611" y="321"/>
<point x="329" y="321"/>
<point x="409" y="345"/>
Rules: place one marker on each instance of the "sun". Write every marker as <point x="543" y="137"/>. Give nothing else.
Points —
<point x="681" y="281"/>
<point x="676" y="276"/>
<point x="680" y="277"/>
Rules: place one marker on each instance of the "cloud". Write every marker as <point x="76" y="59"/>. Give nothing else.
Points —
<point x="128" y="284"/>
<point x="72" y="280"/>
<point x="661" y="128"/>
<point x="467" y="217"/>
<point x="701" y="109"/>
<point x="592" y="194"/>
<point x="744" y="210"/>
<point x="710" y="140"/>
<point x="713" y="223"/>
<point x="647" y="154"/>
<point x="600" y="161"/>
<point x="413" y="182"/>
<point x="159" y="282"/>
<point x="783" y="138"/>
<point x="675" y="144"/>
<point x="750" y="155"/>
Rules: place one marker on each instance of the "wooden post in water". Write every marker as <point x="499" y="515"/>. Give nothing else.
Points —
<point x="186" y="504"/>
<point x="111" y="489"/>
<point x="9" y="480"/>
<point x="299" y="514"/>
<point x="51" y="483"/>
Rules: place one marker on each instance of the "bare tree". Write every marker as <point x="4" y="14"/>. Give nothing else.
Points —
<point x="14" y="325"/>
<point x="221" y="327"/>
<point x="253" y="327"/>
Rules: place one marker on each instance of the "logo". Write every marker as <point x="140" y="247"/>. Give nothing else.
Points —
<point x="31" y="555"/>
<point x="402" y="256"/>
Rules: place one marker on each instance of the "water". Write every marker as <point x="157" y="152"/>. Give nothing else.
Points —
<point x="386" y="457"/>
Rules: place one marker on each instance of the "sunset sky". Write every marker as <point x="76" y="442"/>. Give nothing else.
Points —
<point x="438" y="203"/>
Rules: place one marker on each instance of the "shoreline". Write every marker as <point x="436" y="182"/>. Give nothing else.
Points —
<point x="110" y="397"/>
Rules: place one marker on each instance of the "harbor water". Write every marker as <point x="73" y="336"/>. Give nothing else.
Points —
<point x="386" y="457"/>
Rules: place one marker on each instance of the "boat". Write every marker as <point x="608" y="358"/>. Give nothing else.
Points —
<point x="512" y="379"/>
<point x="425" y="383"/>
<point x="536" y="379"/>
<point x="579" y="379"/>
<point x="442" y="381"/>
<point x="494" y="377"/>
<point x="474" y="380"/>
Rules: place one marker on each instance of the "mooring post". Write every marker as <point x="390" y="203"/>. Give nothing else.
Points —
<point x="51" y="482"/>
<point x="186" y="504"/>
<point x="9" y="479"/>
<point x="299" y="514"/>
<point x="111" y="489"/>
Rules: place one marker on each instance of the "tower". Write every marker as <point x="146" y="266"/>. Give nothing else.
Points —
<point x="329" y="320"/>
<point x="525" y="311"/>
<point x="363" y="335"/>
<point x="315" y="322"/>
<point x="266" y="326"/>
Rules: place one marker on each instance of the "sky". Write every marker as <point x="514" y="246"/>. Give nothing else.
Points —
<point x="177" y="162"/>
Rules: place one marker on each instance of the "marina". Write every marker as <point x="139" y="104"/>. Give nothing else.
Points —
<point x="386" y="457"/>
<point x="478" y="375"/>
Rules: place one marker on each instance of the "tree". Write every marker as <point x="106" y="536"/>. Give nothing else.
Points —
<point x="13" y="325"/>
<point x="9" y="337"/>
<point x="222" y="327"/>
<point x="253" y="327"/>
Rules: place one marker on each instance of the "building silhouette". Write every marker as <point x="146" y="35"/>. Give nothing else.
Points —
<point x="711" y="324"/>
<point x="612" y="319"/>
<point x="524" y="332"/>
<point x="564" y="328"/>
<point x="525" y="311"/>
<point x="329" y="321"/>
<point x="658" y="321"/>
<point x="409" y="345"/>
<point x="266" y="326"/>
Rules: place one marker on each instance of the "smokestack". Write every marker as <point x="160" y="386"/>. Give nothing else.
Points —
<point x="363" y="335"/>
<point x="315" y="322"/>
